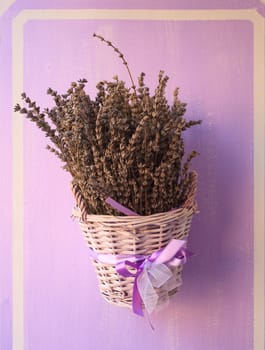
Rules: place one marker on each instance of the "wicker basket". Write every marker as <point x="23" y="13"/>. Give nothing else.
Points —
<point x="116" y="235"/>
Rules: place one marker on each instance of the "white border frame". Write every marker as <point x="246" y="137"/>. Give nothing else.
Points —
<point x="17" y="140"/>
<point x="4" y="5"/>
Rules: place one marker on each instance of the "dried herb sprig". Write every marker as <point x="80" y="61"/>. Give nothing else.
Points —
<point x="109" y="43"/>
<point x="124" y="144"/>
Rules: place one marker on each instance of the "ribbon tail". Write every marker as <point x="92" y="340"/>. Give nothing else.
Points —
<point x="137" y="300"/>
<point x="147" y="292"/>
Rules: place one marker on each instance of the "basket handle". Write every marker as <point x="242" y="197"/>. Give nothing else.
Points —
<point x="79" y="200"/>
<point x="191" y="201"/>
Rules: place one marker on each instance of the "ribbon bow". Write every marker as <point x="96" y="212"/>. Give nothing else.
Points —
<point x="153" y="272"/>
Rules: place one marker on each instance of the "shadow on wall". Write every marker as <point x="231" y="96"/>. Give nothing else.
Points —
<point x="222" y="234"/>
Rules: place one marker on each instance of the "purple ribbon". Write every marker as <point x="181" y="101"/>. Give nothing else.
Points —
<point x="120" y="208"/>
<point x="149" y="272"/>
<point x="173" y="255"/>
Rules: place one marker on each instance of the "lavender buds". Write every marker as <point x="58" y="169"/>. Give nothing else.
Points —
<point x="125" y="143"/>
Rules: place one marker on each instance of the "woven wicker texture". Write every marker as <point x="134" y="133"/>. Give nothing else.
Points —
<point x="117" y="235"/>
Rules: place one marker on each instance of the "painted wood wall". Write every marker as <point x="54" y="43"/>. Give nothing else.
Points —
<point x="212" y="50"/>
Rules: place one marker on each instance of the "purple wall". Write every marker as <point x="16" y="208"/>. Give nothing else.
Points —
<point x="212" y="63"/>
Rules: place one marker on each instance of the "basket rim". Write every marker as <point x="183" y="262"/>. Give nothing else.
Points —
<point x="183" y="209"/>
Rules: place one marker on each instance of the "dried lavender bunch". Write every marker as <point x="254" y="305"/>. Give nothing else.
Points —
<point x="126" y="143"/>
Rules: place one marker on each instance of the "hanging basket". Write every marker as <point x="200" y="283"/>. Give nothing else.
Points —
<point x="108" y="235"/>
